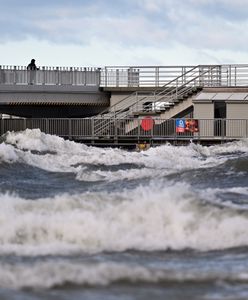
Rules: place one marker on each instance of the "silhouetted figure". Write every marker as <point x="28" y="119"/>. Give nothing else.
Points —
<point x="32" y="74"/>
<point x="32" y="65"/>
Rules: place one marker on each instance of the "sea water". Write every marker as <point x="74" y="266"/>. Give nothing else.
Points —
<point x="80" y="222"/>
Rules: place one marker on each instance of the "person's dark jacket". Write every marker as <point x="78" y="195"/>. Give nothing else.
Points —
<point x="32" y="65"/>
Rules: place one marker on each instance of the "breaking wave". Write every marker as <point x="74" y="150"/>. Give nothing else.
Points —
<point x="92" y="164"/>
<point x="155" y="217"/>
<point x="47" y="275"/>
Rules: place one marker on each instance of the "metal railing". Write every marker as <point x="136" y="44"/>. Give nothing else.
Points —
<point x="121" y="76"/>
<point x="19" y="75"/>
<point x="212" y="129"/>
<point x="158" y="76"/>
<point x="161" y="99"/>
<point x="175" y="90"/>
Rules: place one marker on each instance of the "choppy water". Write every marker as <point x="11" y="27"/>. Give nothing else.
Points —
<point x="80" y="222"/>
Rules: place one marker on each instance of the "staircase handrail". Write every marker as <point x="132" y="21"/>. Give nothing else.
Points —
<point x="174" y="92"/>
<point x="168" y="84"/>
<point x="171" y="91"/>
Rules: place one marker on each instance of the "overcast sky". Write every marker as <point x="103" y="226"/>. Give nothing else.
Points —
<point x="123" y="32"/>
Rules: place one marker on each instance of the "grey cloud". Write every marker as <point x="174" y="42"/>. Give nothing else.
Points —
<point x="207" y="24"/>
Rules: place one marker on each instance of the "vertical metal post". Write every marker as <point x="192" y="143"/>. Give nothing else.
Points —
<point x="138" y="128"/>
<point x="106" y="77"/>
<point x="176" y="87"/>
<point x="246" y="128"/>
<point x="47" y="125"/>
<point x="43" y="75"/>
<point x="230" y="75"/>
<point x="92" y="127"/>
<point x="15" y="75"/>
<point x="84" y="76"/>
<point x="98" y="77"/>
<point x="117" y="77"/>
<point x="183" y="75"/>
<point x="115" y="131"/>
<point x="152" y="133"/>
<point x="2" y="125"/>
<point x="69" y="129"/>
<point x="235" y="75"/>
<point x="58" y="78"/>
<point x="222" y="128"/>
<point x="24" y="124"/>
<point x="175" y="131"/>
<point x="71" y="76"/>
<point x="157" y="83"/>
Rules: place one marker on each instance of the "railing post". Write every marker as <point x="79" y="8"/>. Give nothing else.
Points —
<point x="117" y="77"/>
<point x="69" y="129"/>
<point x="175" y="131"/>
<point x="47" y="125"/>
<point x="1" y="75"/>
<point x="24" y="124"/>
<point x="71" y="76"/>
<point x="58" y="79"/>
<point x="92" y="127"/>
<point x="106" y="77"/>
<point x="222" y="128"/>
<point x="230" y="75"/>
<point x="2" y="125"/>
<point x="138" y="128"/>
<point x="115" y="129"/>
<point x="84" y="77"/>
<point x="152" y="129"/>
<point x="43" y="75"/>
<point x="15" y="75"/>
<point x="157" y="83"/>
<point x="98" y="77"/>
<point x="235" y="75"/>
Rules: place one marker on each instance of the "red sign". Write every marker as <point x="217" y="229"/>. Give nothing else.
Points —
<point x="191" y="125"/>
<point x="147" y="123"/>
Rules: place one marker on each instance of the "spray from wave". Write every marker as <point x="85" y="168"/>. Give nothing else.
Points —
<point x="148" y="218"/>
<point x="54" y="154"/>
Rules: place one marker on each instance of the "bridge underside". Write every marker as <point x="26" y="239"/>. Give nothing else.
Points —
<point x="52" y="101"/>
<point x="51" y="111"/>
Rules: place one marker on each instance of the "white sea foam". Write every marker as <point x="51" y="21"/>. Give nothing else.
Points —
<point x="155" y="217"/>
<point x="66" y="156"/>
<point x="50" y="274"/>
<point x="8" y="153"/>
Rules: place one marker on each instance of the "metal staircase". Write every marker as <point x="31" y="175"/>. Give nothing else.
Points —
<point x="159" y="101"/>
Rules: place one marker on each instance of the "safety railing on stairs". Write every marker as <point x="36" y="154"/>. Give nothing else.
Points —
<point x="172" y="92"/>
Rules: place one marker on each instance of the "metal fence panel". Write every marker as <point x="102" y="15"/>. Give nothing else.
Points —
<point x="132" y="127"/>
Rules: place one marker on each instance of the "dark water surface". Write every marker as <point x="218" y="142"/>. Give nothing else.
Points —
<point x="80" y="222"/>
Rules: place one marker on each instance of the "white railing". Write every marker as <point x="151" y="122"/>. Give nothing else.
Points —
<point x="50" y="76"/>
<point x="158" y="76"/>
<point x="152" y="128"/>
<point x="123" y="76"/>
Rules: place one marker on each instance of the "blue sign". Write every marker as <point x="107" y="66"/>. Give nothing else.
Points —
<point x="180" y="125"/>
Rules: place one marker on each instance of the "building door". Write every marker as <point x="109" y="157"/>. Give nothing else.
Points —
<point x="220" y="118"/>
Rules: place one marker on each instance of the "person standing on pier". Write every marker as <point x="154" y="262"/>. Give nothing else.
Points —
<point x="32" y="65"/>
<point x="32" y="68"/>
